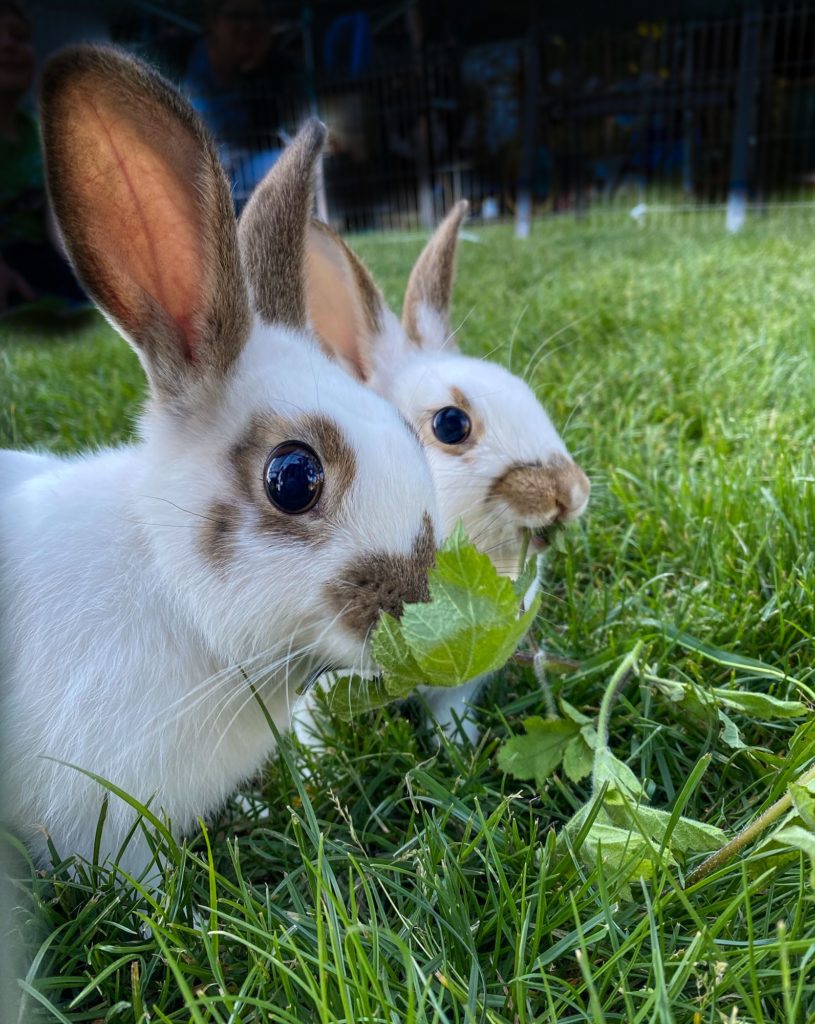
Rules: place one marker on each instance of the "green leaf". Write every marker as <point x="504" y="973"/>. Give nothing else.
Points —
<point x="571" y="712"/>
<point x="702" y="703"/>
<point x="351" y="695"/>
<point x="730" y="733"/>
<point x="556" y="537"/>
<point x="621" y="851"/>
<point x="464" y="566"/>
<point x="391" y="653"/>
<point x="456" y="538"/>
<point x="803" y="800"/>
<point x="578" y="757"/>
<point x="462" y="634"/>
<point x="527" y="577"/>
<point x="801" y="839"/>
<point x="694" y="700"/>
<point x="721" y="657"/>
<point x="469" y="627"/>
<point x="610" y="771"/>
<point x="687" y="835"/>
<point x="802" y="745"/>
<point x="537" y="754"/>
<point x="759" y="705"/>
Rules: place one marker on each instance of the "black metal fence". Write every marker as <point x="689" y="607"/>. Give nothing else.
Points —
<point x="678" y="116"/>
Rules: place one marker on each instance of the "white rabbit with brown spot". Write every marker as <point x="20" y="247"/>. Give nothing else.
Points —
<point x="269" y="510"/>
<point x="499" y="464"/>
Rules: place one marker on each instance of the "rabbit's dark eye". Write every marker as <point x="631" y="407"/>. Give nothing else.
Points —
<point x="451" y="425"/>
<point x="293" y="477"/>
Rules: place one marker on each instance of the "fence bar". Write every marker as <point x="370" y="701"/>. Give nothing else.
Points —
<point x="744" y="122"/>
<point x="529" y="135"/>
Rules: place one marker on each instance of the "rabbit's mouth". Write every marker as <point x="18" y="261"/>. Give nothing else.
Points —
<point x="542" y="537"/>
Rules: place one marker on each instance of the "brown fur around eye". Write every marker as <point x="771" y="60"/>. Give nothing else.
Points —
<point x="460" y="401"/>
<point x="248" y="457"/>
<point x="330" y="445"/>
<point x="383" y="582"/>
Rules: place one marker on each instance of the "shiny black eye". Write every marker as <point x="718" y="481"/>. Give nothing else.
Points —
<point x="451" y="425"/>
<point x="293" y="477"/>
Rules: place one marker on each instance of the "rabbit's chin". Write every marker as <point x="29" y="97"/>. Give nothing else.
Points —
<point x="347" y="657"/>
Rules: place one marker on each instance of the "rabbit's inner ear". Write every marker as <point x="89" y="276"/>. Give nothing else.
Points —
<point x="145" y="212"/>
<point x="344" y="305"/>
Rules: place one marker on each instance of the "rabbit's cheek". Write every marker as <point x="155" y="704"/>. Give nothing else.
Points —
<point x="218" y="532"/>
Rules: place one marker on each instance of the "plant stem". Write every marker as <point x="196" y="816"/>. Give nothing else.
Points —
<point x="553" y="662"/>
<point x="524" y="552"/>
<point x="616" y="683"/>
<point x="748" y="834"/>
<point x="539" y="668"/>
<point x="538" y="656"/>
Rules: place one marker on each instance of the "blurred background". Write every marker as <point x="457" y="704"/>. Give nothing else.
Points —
<point x="579" y="108"/>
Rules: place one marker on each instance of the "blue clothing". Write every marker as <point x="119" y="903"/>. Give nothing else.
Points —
<point x="223" y="110"/>
<point x="229" y="113"/>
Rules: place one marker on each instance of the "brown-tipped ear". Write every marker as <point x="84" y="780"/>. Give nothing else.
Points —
<point x="431" y="280"/>
<point x="145" y="212"/>
<point x="345" y="306"/>
<point x="272" y="230"/>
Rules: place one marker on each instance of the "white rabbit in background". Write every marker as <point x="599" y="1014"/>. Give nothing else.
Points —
<point x="498" y="462"/>
<point x="269" y="510"/>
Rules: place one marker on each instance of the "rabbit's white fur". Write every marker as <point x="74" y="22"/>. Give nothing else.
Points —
<point x="126" y="650"/>
<point x="417" y="366"/>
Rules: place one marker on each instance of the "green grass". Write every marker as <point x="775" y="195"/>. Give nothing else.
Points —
<point x="387" y="880"/>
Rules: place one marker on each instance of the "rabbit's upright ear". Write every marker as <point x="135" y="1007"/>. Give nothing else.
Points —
<point x="145" y="213"/>
<point x="426" y="312"/>
<point x="345" y="307"/>
<point x="272" y="230"/>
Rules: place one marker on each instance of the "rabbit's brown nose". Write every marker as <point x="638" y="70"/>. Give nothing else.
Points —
<point x="383" y="582"/>
<point x="574" y="489"/>
<point x="542" y="493"/>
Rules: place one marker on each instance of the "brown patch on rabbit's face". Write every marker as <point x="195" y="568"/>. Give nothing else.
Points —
<point x="383" y="582"/>
<point x="217" y="534"/>
<point x="248" y="457"/>
<point x="541" y="493"/>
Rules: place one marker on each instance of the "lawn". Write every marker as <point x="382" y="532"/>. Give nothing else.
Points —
<point x="388" y="879"/>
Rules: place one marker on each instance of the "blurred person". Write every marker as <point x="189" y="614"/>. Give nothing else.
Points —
<point x="232" y="81"/>
<point x="31" y="265"/>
